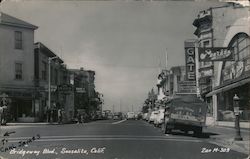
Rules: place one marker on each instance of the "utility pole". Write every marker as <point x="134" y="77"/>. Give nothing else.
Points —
<point x="113" y="108"/>
<point x="49" y="87"/>
<point x="120" y="105"/>
<point x="197" y="65"/>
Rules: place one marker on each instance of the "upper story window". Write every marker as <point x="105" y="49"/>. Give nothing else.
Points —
<point x="18" y="40"/>
<point x="234" y="69"/>
<point x="44" y="70"/>
<point x="56" y="76"/>
<point x="18" y="71"/>
<point x="206" y="43"/>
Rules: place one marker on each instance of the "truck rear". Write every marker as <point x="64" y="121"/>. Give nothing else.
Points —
<point x="185" y="112"/>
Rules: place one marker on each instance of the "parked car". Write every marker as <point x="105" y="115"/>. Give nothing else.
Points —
<point x="144" y="116"/>
<point x="227" y="115"/>
<point x="160" y="117"/>
<point x="130" y="115"/>
<point x="185" y="112"/>
<point x="149" y="114"/>
<point x="139" y="116"/>
<point x="117" y="116"/>
<point x="110" y="116"/>
<point x="153" y="116"/>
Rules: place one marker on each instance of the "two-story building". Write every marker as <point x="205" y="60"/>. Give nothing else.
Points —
<point x="59" y="78"/>
<point x="225" y="26"/>
<point x="17" y="67"/>
<point x="85" y="97"/>
<point x="169" y="80"/>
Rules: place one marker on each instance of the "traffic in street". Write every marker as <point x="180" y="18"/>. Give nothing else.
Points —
<point x="111" y="139"/>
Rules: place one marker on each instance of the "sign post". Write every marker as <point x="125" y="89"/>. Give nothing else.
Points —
<point x="236" y="100"/>
<point x="197" y="69"/>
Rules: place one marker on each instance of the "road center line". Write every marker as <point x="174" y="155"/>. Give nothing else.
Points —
<point x="118" y="122"/>
<point x="118" y="139"/>
<point x="87" y="136"/>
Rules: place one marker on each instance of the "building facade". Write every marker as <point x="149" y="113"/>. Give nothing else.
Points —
<point x="59" y="80"/>
<point x="86" y="99"/>
<point x="226" y="26"/>
<point x="17" y="63"/>
<point x="169" y="81"/>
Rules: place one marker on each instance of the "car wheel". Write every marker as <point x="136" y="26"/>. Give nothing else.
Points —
<point x="198" y="132"/>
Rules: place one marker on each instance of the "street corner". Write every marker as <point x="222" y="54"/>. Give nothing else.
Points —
<point x="248" y="157"/>
<point x="239" y="146"/>
<point x="1" y="157"/>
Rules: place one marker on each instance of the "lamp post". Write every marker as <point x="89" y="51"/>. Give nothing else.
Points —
<point x="49" y="89"/>
<point x="236" y="100"/>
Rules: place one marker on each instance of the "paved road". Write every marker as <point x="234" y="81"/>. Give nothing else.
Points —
<point x="109" y="140"/>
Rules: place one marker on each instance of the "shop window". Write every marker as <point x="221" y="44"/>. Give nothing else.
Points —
<point x="18" y="40"/>
<point x="232" y="70"/>
<point x="18" y="71"/>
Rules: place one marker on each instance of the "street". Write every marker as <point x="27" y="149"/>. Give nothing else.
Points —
<point x="108" y="139"/>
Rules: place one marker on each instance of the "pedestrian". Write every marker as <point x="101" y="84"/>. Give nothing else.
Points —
<point x="82" y="118"/>
<point x="59" y="114"/>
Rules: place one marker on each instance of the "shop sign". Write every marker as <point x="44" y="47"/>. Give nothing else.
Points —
<point x="187" y="87"/>
<point x="205" y="73"/>
<point x="190" y="63"/>
<point x="65" y="88"/>
<point x="80" y="90"/>
<point x="52" y="88"/>
<point x="215" y="54"/>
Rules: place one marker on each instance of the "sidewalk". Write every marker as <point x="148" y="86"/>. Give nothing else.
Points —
<point x="224" y="136"/>
<point x="29" y="124"/>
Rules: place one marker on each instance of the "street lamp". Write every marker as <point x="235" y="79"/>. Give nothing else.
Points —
<point x="236" y="101"/>
<point x="49" y="94"/>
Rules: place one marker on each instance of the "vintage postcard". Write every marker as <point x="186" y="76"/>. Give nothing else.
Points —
<point x="124" y="79"/>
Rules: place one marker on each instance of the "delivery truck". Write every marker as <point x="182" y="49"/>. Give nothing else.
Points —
<point x="185" y="112"/>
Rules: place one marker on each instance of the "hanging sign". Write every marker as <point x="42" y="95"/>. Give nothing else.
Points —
<point x="80" y="90"/>
<point x="190" y="63"/>
<point x="65" y="88"/>
<point x="215" y="54"/>
<point x="187" y="87"/>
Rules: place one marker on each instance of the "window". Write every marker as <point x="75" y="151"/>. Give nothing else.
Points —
<point x="18" y="71"/>
<point x="56" y="76"/>
<point x="44" y="70"/>
<point x="18" y="40"/>
<point x="206" y="43"/>
<point x="240" y="45"/>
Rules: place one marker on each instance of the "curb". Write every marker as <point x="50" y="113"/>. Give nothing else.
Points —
<point x="233" y="145"/>
<point x="27" y="124"/>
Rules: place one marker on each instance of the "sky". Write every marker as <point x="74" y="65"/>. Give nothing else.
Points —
<point x="123" y="42"/>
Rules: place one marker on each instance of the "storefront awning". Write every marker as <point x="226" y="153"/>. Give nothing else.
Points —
<point x="228" y="87"/>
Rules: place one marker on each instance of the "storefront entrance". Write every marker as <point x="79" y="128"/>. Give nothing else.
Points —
<point x="21" y="110"/>
<point x="225" y="103"/>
